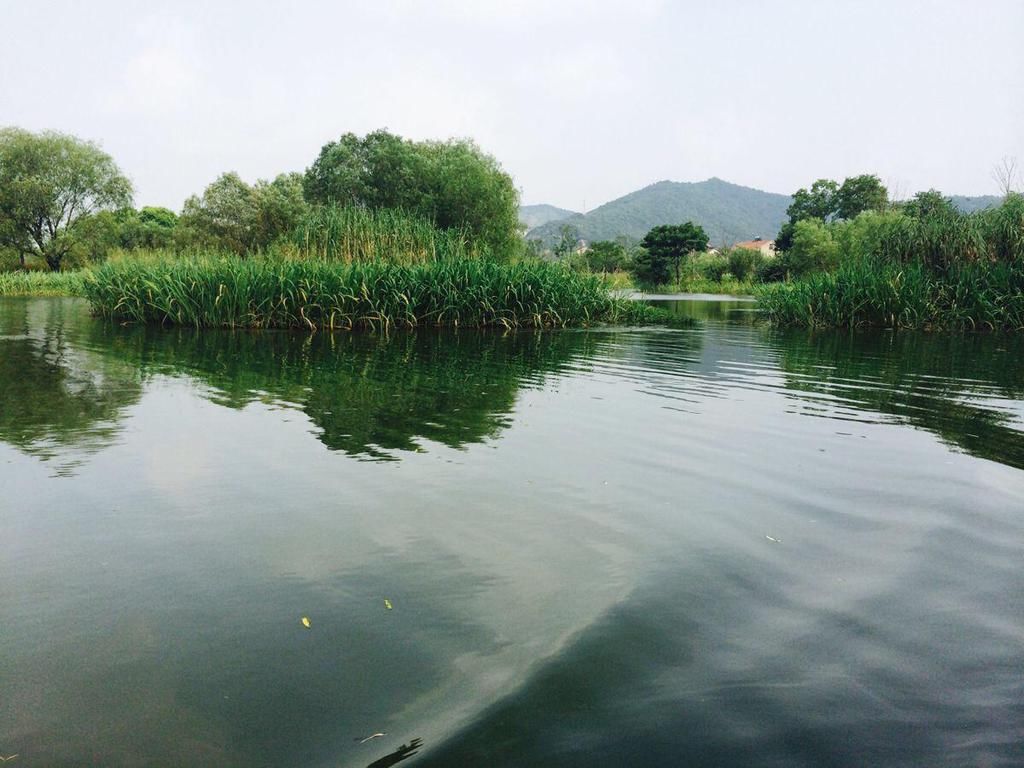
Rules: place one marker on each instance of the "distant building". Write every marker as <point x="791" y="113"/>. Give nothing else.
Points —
<point x="582" y="246"/>
<point x="766" y="247"/>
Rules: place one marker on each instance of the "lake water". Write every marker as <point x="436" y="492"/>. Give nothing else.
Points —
<point x="719" y="546"/>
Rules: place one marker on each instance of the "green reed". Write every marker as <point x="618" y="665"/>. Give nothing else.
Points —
<point x="41" y="283"/>
<point x="970" y="295"/>
<point x="942" y="269"/>
<point x="267" y="292"/>
<point x="350" y="234"/>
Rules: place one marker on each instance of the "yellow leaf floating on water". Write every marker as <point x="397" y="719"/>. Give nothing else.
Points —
<point x="305" y="622"/>
<point x="387" y="603"/>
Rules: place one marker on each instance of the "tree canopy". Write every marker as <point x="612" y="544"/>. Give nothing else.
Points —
<point x="828" y="200"/>
<point x="236" y="216"/>
<point x="49" y="183"/>
<point x="665" y="247"/>
<point x="453" y="183"/>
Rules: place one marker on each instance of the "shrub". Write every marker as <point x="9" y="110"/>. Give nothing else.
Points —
<point x="744" y="262"/>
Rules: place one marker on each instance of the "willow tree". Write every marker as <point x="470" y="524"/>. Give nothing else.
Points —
<point x="49" y="182"/>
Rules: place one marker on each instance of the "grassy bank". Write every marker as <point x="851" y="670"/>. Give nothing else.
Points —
<point x="972" y="295"/>
<point x="924" y="265"/>
<point x="278" y="293"/>
<point x="41" y="283"/>
<point x="725" y="286"/>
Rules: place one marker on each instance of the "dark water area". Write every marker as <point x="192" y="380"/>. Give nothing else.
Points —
<point x="721" y="545"/>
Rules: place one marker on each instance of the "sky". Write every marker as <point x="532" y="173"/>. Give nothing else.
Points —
<point x="581" y="101"/>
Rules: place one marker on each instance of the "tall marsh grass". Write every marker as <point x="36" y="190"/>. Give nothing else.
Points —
<point x="941" y="269"/>
<point x="353" y="234"/>
<point x="263" y="292"/>
<point x="41" y="283"/>
<point x="972" y="295"/>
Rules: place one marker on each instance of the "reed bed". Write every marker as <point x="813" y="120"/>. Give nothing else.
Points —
<point x="942" y="269"/>
<point x="264" y="292"/>
<point x="41" y="283"/>
<point x="972" y="295"/>
<point x="354" y="234"/>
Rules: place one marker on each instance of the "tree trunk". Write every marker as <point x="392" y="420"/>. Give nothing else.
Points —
<point x="53" y="261"/>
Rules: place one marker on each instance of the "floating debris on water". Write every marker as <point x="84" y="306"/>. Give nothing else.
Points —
<point x="305" y="622"/>
<point x="387" y="604"/>
<point x="773" y="540"/>
<point x="371" y="737"/>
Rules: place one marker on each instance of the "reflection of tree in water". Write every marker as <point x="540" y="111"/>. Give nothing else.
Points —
<point x="56" y="396"/>
<point x="732" y="310"/>
<point x="936" y="382"/>
<point x="368" y="395"/>
<point x="404" y="752"/>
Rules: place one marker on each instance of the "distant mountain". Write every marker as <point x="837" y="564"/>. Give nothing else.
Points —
<point x="535" y="215"/>
<point x="970" y="204"/>
<point x="728" y="212"/>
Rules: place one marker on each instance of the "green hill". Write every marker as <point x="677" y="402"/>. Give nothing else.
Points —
<point x="535" y="215"/>
<point x="971" y="204"/>
<point x="728" y="212"/>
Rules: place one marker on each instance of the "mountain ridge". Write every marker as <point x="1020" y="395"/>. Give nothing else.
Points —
<point x="728" y="212"/>
<point x="535" y="215"/>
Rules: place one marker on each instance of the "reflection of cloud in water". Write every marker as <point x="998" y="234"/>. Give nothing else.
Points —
<point x="723" y="662"/>
<point x="221" y="672"/>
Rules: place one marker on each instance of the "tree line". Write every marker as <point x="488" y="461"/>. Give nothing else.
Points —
<point x="65" y="202"/>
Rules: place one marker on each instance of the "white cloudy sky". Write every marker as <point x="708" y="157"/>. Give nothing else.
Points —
<point x="581" y="100"/>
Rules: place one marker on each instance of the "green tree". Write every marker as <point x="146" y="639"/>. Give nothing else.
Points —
<point x="859" y="194"/>
<point x="819" y="202"/>
<point x="280" y="205"/>
<point x="151" y="227"/>
<point x="453" y="183"/>
<point x="744" y="262"/>
<point x="567" y="239"/>
<point x="607" y="256"/>
<point x="667" y="245"/>
<point x="815" y="247"/>
<point x="238" y="217"/>
<point x="226" y="214"/>
<point x="49" y="183"/>
<point x="930" y="203"/>
<point x="826" y="201"/>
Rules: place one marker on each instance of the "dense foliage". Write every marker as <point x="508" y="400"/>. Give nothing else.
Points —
<point x="452" y="183"/>
<point x="41" y="283"/>
<point x="64" y="203"/>
<point x="926" y="264"/>
<point x="266" y="292"/>
<point x="606" y="256"/>
<point x="352" y="233"/>
<point x="828" y="200"/>
<point x="49" y="184"/>
<point x="235" y="216"/>
<point x="664" y="248"/>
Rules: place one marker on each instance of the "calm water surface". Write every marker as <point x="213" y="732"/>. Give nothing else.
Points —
<point x="723" y="546"/>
